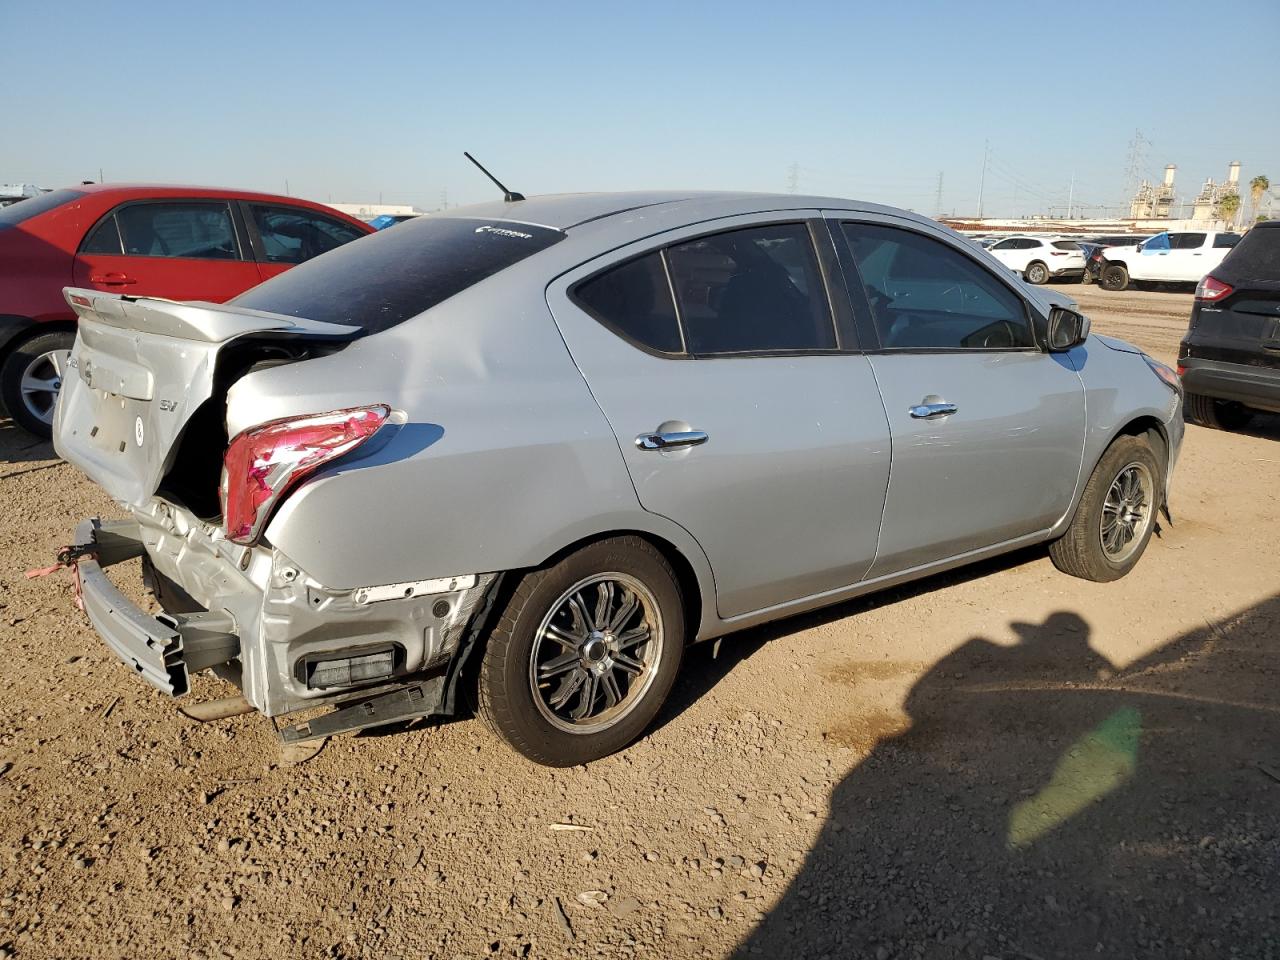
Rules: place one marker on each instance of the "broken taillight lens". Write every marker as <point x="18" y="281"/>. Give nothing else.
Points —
<point x="1211" y="289"/>
<point x="264" y="463"/>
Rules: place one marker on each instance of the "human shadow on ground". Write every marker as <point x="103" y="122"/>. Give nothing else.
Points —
<point x="1043" y="804"/>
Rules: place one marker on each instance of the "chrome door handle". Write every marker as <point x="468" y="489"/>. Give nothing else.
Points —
<point x="664" y="441"/>
<point x="932" y="411"/>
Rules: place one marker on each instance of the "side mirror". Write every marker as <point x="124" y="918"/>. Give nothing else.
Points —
<point x="1067" y="329"/>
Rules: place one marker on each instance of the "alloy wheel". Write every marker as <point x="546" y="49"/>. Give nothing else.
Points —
<point x="596" y="652"/>
<point x="41" y="383"/>
<point x="1127" y="512"/>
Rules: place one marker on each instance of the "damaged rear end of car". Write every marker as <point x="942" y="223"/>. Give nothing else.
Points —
<point x="144" y="413"/>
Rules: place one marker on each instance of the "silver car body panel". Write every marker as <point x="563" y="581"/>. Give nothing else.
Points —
<point x="511" y="441"/>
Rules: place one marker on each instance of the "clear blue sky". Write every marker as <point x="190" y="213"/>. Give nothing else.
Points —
<point x="349" y="101"/>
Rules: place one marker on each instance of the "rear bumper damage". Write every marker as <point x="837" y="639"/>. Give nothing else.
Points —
<point x="163" y="650"/>
<point x="258" y="619"/>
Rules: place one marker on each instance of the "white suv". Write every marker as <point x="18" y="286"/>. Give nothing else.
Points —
<point x="1040" y="258"/>
<point x="1169" y="257"/>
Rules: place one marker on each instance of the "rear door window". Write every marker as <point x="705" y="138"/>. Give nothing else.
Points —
<point x="294" y="235"/>
<point x="104" y="238"/>
<point x="392" y="275"/>
<point x="924" y="295"/>
<point x="1066" y="245"/>
<point x="634" y="301"/>
<point x="1186" y="241"/>
<point x="755" y="290"/>
<point x="198" y="230"/>
<point x="1227" y="240"/>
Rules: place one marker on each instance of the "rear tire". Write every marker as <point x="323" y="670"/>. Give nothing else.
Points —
<point x="1126" y="490"/>
<point x="1037" y="273"/>
<point x="1114" y="277"/>
<point x="31" y="379"/>
<point x="1216" y="414"/>
<point x="565" y="679"/>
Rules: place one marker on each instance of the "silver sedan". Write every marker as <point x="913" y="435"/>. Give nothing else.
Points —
<point x="540" y="446"/>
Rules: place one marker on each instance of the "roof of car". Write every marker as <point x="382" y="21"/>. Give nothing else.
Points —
<point x="563" y="211"/>
<point x="187" y="190"/>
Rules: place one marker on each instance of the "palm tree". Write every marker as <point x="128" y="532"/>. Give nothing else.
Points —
<point x="1228" y="207"/>
<point x="1258" y="186"/>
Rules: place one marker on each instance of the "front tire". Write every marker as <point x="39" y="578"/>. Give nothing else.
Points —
<point x="584" y="654"/>
<point x="1037" y="273"/>
<point x="1116" y="515"/>
<point x="1216" y="414"/>
<point x="31" y="379"/>
<point x="1115" y="277"/>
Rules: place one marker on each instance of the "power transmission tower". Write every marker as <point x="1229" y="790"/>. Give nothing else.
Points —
<point x="937" y="207"/>
<point x="1135" y="161"/>
<point x="793" y="177"/>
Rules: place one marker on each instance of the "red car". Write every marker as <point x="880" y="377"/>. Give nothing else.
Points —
<point x="181" y="243"/>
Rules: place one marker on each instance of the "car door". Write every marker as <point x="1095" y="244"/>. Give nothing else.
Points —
<point x="987" y="429"/>
<point x="1187" y="261"/>
<point x="1012" y="253"/>
<point x="180" y="249"/>
<point x="1152" y="260"/>
<point x="284" y="236"/>
<point x="742" y="412"/>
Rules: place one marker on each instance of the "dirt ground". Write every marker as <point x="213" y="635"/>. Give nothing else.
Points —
<point x="1003" y="762"/>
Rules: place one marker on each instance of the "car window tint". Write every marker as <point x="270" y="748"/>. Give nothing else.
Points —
<point x="1005" y="245"/>
<point x="105" y="238"/>
<point x="1029" y="243"/>
<point x="926" y="295"/>
<point x="294" y="235"/>
<point x="1159" y="242"/>
<point x="757" y="290"/>
<point x="1226" y="240"/>
<point x="1066" y="245"/>
<point x="634" y="300"/>
<point x="392" y="275"/>
<point x="201" y="231"/>
<point x="1186" y="241"/>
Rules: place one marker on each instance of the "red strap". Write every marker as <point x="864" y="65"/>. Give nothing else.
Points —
<point x="73" y="564"/>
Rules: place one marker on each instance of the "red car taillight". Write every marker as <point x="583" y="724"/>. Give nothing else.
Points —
<point x="262" y="464"/>
<point x="1211" y="289"/>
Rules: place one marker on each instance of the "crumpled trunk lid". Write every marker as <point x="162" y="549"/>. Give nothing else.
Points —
<point x="139" y="369"/>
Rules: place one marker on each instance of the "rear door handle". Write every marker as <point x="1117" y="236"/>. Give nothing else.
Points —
<point x="111" y="279"/>
<point x="933" y="411"/>
<point x="664" y="441"/>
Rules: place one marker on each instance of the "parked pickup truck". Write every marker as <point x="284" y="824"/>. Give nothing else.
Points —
<point x="1182" y="257"/>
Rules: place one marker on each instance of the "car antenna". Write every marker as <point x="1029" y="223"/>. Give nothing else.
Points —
<point x="508" y="195"/>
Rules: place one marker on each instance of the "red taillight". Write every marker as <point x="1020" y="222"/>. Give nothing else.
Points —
<point x="1211" y="289"/>
<point x="263" y="463"/>
<point x="1181" y="370"/>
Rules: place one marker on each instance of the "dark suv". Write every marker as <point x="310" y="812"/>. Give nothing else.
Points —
<point x="1229" y="360"/>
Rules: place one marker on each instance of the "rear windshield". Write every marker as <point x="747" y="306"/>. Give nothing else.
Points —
<point x="1255" y="257"/>
<point x="15" y="213"/>
<point x="386" y="278"/>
